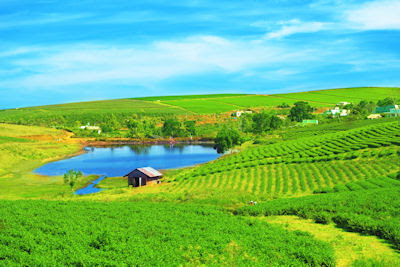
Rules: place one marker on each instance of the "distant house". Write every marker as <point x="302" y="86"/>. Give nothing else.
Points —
<point x="393" y="112"/>
<point x="336" y="111"/>
<point x="374" y="116"/>
<point x="89" y="127"/>
<point x="304" y="122"/>
<point x="389" y="111"/>
<point x="385" y="109"/>
<point x="143" y="176"/>
<point x="240" y="113"/>
<point x="343" y="103"/>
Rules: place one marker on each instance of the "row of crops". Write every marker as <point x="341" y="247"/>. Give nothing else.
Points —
<point x="337" y="146"/>
<point x="373" y="212"/>
<point x="304" y="165"/>
<point x="54" y="233"/>
<point x="291" y="179"/>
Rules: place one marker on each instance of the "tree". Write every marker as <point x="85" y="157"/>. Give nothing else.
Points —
<point x="190" y="127"/>
<point x="71" y="177"/>
<point x="386" y="102"/>
<point x="261" y="122"/>
<point x="301" y="111"/>
<point x="172" y="127"/>
<point x="226" y="139"/>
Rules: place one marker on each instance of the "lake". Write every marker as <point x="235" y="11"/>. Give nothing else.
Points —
<point x="119" y="160"/>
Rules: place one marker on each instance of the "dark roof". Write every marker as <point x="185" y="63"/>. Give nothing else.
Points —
<point x="149" y="171"/>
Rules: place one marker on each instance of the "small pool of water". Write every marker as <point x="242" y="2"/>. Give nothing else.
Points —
<point x="120" y="160"/>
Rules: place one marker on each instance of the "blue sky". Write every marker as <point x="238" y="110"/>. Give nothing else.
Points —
<point x="64" y="51"/>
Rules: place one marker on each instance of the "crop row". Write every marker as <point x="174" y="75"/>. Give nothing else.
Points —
<point x="346" y="145"/>
<point x="292" y="179"/>
<point x="50" y="233"/>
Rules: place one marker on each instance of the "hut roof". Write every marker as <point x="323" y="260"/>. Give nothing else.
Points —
<point x="149" y="171"/>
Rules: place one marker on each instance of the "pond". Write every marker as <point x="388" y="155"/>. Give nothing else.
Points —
<point x="120" y="160"/>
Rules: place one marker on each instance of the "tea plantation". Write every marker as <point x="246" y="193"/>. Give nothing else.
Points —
<point x="303" y="165"/>
<point x="49" y="233"/>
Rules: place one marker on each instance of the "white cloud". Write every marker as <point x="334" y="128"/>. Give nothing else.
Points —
<point x="296" y="26"/>
<point x="376" y="15"/>
<point x="81" y="64"/>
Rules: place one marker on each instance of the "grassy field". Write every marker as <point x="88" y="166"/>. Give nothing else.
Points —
<point x="24" y="148"/>
<point x="192" y="104"/>
<point x="321" y="98"/>
<point x="341" y="174"/>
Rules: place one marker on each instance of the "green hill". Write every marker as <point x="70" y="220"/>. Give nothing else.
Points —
<point x="214" y="103"/>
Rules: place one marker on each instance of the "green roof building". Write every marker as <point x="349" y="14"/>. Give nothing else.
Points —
<point x="385" y="109"/>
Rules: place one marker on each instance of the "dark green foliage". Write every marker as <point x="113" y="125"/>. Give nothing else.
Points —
<point x="283" y="105"/>
<point x="172" y="127"/>
<point x="374" y="212"/>
<point x="226" y="139"/>
<point x="50" y="233"/>
<point x="301" y="111"/>
<point x="363" y="108"/>
<point x="386" y="102"/>
<point x="190" y="127"/>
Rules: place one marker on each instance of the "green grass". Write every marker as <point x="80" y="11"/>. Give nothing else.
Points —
<point x="147" y="234"/>
<point x="349" y="247"/>
<point x="18" y="157"/>
<point x="322" y="98"/>
<point x="205" y="106"/>
<point x="372" y="212"/>
<point x="181" y="97"/>
<point x="355" y="95"/>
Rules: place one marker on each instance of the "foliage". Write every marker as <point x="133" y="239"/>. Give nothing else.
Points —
<point x="363" y="108"/>
<point x="172" y="127"/>
<point x="71" y="177"/>
<point x="263" y="122"/>
<point x="301" y="111"/>
<point x="283" y="105"/>
<point x="51" y="233"/>
<point x="386" y="102"/>
<point x="374" y="212"/>
<point x="226" y="139"/>
<point x="190" y="127"/>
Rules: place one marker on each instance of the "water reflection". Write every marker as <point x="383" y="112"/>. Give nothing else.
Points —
<point x="119" y="160"/>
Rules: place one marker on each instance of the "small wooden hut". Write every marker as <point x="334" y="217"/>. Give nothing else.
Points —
<point x="143" y="176"/>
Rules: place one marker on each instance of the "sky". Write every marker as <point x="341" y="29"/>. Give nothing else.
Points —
<point x="64" y="51"/>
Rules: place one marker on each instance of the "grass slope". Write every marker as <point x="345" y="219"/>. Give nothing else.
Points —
<point x="349" y="247"/>
<point x="24" y="148"/>
<point x="200" y="104"/>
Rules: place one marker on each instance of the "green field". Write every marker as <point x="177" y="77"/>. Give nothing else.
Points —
<point x="192" y="104"/>
<point x="327" y="194"/>
<point x="146" y="234"/>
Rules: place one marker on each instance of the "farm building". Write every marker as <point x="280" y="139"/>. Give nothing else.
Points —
<point x="393" y="112"/>
<point x="143" y="176"/>
<point x="240" y="113"/>
<point x="389" y="111"/>
<point x="337" y="112"/>
<point x="343" y="103"/>
<point x="385" y="109"/>
<point x="374" y="116"/>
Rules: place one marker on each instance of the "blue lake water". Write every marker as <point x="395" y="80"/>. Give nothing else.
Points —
<point x="120" y="160"/>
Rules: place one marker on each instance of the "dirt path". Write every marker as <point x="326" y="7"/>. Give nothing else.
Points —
<point x="348" y="246"/>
